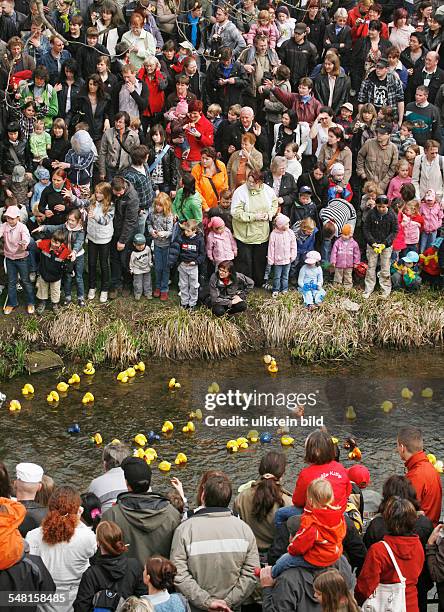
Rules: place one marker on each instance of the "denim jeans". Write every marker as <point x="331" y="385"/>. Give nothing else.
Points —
<point x="33" y="256"/>
<point x="426" y="240"/>
<point x="15" y="268"/>
<point x="286" y="561"/>
<point x="326" y="247"/>
<point x="280" y="278"/>
<point x="161" y="268"/>
<point x="79" y="264"/>
<point x="283" y="514"/>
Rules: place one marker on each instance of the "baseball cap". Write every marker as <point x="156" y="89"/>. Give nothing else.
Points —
<point x="137" y="473"/>
<point x="139" y="239"/>
<point x="347" y="105"/>
<point x="29" y="472"/>
<point x="359" y="474"/>
<point x="382" y="63"/>
<point x="305" y="189"/>
<point x="13" y="212"/>
<point x="300" y="28"/>
<point x="383" y="128"/>
<point x="411" y="257"/>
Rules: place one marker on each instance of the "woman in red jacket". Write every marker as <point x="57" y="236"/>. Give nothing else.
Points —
<point x="157" y="83"/>
<point x="400" y="518"/>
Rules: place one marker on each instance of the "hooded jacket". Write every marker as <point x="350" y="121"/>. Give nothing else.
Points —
<point x="222" y="295"/>
<point x="345" y="253"/>
<point x="147" y="521"/>
<point x="186" y="249"/>
<point x="126" y="215"/>
<point x="221" y="247"/>
<point x="380" y="229"/>
<point x="432" y="216"/>
<point x="12" y="236"/>
<point x="378" y="568"/>
<point x="282" y="247"/>
<point x="121" y="574"/>
<point x="427" y="484"/>
<point x="52" y="263"/>
<point x="11" y="542"/>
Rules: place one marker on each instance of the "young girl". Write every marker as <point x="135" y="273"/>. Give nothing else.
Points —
<point x="432" y="213"/>
<point x="161" y="162"/>
<point x="282" y="251"/>
<point x="160" y="227"/>
<point x="310" y="280"/>
<point x="221" y="246"/>
<point x="285" y="24"/>
<point x="402" y="177"/>
<point x="290" y="130"/>
<point x="335" y="189"/>
<point x="318" y="542"/>
<point x="159" y="577"/>
<point x="74" y="239"/>
<point x="331" y="591"/>
<point x="412" y="223"/>
<point x="371" y="191"/>
<point x="364" y="127"/>
<point x="345" y="254"/>
<point x="59" y="144"/>
<point x="399" y="241"/>
<point x="293" y="160"/>
<point x="410" y="156"/>
<point x="264" y="27"/>
<point x="39" y="142"/>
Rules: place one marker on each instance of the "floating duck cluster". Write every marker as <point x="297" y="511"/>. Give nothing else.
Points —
<point x="271" y="363"/>
<point x="88" y="398"/>
<point x="53" y="397"/>
<point x="27" y="390"/>
<point x="173" y="384"/>
<point x="438" y="465"/>
<point x="130" y="372"/>
<point x="149" y="455"/>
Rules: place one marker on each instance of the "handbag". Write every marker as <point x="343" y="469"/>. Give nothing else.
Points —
<point x="388" y="597"/>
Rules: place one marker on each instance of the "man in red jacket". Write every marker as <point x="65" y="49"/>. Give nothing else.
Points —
<point x="421" y="473"/>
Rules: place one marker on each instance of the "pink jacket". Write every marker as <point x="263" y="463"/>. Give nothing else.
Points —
<point x="269" y="31"/>
<point x="12" y="236"/>
<point x="221" y="247"/>
<point x="432" y="216"/>
<point x="394" y="190"/>
<point x="412" y="229"/>
<point x="282" y="247"/>
<point x="345" y="253"/>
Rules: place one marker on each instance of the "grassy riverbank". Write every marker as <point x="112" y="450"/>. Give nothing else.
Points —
<point x="123" y="331"/>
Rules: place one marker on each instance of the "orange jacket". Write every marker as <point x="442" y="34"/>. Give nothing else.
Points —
<point x="427" y="484"/>
<point x="204" y="187"/>
<point x="320" y="535"/>
<point x="11" y="542"/>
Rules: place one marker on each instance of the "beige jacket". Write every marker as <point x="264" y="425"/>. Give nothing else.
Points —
<point x="377" y="164"/>
<point x="254" y="163"/>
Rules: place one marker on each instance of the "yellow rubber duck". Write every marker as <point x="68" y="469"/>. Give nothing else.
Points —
<point x="62" y="387"/>
<point x="406" y="393"/>
<point x="427" y="393"/>
<point x="131" y="372"/>
<point x="88" y="398"/>
<point x="164" y="466"/>
<point x="140" y="367"/>
<point x="242" y="443"/>
<point x="150" y="454"/>
<point x="350" y="413"/>
<point x="432" y="458"/>
<point x="116" y="441"/>
<point x="75" y="378"/>
<point x="122" y="377"/>
<point x="253" y="436"/>
<point x="213" y="388"/>
<point x="386" y="406"/>
<point x="268" y="359"/>
<point x="272" y="368"/>
<point x="28" y="389"/>
<point x="173" y="384"/>
<point x="287" y="440"/>
<point x="89" y="369"/>
<point x="53" y="397"/>
<point x="189" y="427"/>
<point x="232" y="446"/>
<point x="196" y="414"/>
<point x="167" y="426"/>
<point x="15" y="406"/>
<point x="140" y="439"/>
<point x="97" y="438"/>
<point x="139" y="452"/>
<point x="181" y="459"/>
<point x="334" y="440"/>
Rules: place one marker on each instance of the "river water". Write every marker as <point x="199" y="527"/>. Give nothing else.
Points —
<point x="39" y="431"/>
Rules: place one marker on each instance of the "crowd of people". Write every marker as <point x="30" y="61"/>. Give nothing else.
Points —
<point x="229" y="145"/>
<point x="331" y="545"/>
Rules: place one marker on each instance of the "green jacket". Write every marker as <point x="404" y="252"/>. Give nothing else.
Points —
<point x="245" y="206"/>
<point x="190" y="208"/>
<point x="50" y="100"/>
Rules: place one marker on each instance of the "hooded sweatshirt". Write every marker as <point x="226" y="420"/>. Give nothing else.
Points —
<point x="11" y="542"/>
<point x="81" y="158"/>
<point x="147" y="521"/>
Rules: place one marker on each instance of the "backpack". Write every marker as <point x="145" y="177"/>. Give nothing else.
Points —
<point x="107" y="600"/>
<point x="352" y="511"/>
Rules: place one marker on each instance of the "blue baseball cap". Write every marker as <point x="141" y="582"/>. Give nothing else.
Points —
<point x="411" y="257"/>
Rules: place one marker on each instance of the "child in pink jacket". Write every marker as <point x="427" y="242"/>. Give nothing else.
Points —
<point x="402" y="177"/>
<point x="412" y="223"/>
<point x="221" y="246"/>
<point x="282" y="251"/>
<point x="265" y="27"/>
<point x="432" y="213"/>
<point x="345" y="254"/>
<point x="16" y="240"/>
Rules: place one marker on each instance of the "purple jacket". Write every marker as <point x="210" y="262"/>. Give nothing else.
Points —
<point x="221" y="247"/>
<point x="345" y="253"/>
<point x="282" y="247"/>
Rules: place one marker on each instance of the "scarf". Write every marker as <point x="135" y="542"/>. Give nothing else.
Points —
<point x="305" y="99"/>
<point x="193" y="21"/>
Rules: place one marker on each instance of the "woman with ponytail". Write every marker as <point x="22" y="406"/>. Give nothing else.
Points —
<point x="65" y="545"/>
<point x="159" y="577"/>
<point x="113" y="570"/>
<point x="257" y="504"/>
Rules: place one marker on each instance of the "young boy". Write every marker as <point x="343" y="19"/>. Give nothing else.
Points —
<point x="188" y="249"/>
<point x="140" y="267"/>
<point x="403" y="138"/>
<point x="223" y="210"/>
<point x="303" y="208"/>
<point x="404" y="273"/>
<point x="53" y="255"/>
<point x="16" y="240"/>
<point x="214" y="115"/>
<point x="345" y="117"/>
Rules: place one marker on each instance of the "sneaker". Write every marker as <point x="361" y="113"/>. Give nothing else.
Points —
<point x="275" y="294"/>
<point x="55" y="307"/>
<point x="30" y="309"/>
<point x="67" y="301"/>
<point x="91" y="294"/>
<point x="81" y="302"/>
<point x="103" y="297"/>
<point x="41" y="307"/>
<point x="156" y="293"/>
<point x="267" y="286"/>
<point x="352" y="93"/>
<point x="366" y="295"/>
<point x="285" y="291"/>
<point x="149" y="296"/>
<point x="8" y="309"/>
<point x="137" y="296"/>
<point x="32" y="277"/>
<point x="164" y="296"/>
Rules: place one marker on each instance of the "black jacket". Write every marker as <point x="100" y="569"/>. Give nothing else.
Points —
<point x="222" y="295"/>
<point x="29" y="574"/>
<point x="319" y="189"/>
<point x="126" y="215"/>
<point x="62" y="95"/>
<point x="380" y="229"/>
<point x="301" y="59"/>
<point x="317" y="31"/>
<point x="186" y="250"/>
<point x="287" y="190"/>
<point x="407" y="61"/>
<point x="299" y="212"/>
<point x="120" y="574"/>
<point x="81" y="110"/>
<point x="48" y="200"/>
<point x="8" y="162"/>
<point x="35" y="513"/>
<point x="418" y="79"/>
<point x="226" y="95"/>
<point x="344" y="37"/>
<point x="340" y="91"/>
<point x="169" y="168"/>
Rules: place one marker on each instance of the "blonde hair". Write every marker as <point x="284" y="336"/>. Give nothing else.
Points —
<point x="413" y="206"/>
<point x="215" y="108"/>
<point x="320" y="494"/>
<point x="106" y="191"/>
<point x="307" y="224"/>
<point x="164" y="200"/>
<point x="372" y="187"/>
<point x="334" y="592"/>
<point x="401" y="163"/>
<point x="135" y="123"/>
<point x="264" y="14"/>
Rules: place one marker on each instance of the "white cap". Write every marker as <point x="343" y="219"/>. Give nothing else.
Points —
<point x="29" y="472"/>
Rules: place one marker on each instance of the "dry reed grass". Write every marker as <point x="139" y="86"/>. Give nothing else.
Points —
<point x="73" y="327"/>
<point x="120" y="345"/>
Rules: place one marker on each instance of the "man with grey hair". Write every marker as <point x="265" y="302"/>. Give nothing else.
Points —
<point x="247" y="123"/>
<point x="429" y="75"/>
<point x="108" y="486"/>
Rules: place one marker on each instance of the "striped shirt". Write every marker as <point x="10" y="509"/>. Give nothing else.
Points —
<point x="340" y="212"/>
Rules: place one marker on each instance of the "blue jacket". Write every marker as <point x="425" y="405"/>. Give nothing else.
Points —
<point x="304" y="246"/>
<point x="51" y="64"/>
<point x="185" y="249"/>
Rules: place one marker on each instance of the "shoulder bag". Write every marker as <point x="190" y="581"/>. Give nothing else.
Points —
<point x="388" y="597"/>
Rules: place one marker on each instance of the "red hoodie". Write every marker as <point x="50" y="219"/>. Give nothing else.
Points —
<point x="334" y="472"/>
<point x="378" y="568"/>
<point x="156" y="96"/>
<point x="427" y="484"/>
<point x="319" y="539"/>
